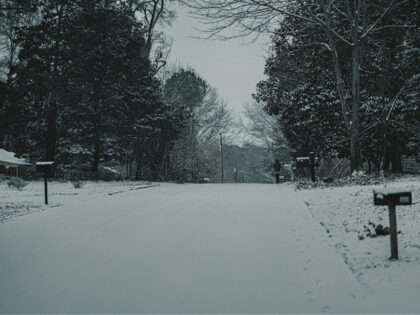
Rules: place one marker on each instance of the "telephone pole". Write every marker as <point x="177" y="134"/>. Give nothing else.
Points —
<point x="221" y="156"/>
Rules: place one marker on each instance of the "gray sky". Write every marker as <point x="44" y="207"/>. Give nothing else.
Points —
<point x="232" y="67"/>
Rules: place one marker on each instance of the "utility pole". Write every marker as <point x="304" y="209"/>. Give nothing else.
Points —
<point x="221" y="156"/>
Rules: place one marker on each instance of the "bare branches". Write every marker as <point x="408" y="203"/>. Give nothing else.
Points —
<point x="262" y="127"/>
<point x="387" y="9"/>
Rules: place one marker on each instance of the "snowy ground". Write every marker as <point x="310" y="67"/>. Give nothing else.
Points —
<point x="30" y="199"/>
<point x="210" y="249"/>
<point x="347" y="213"/>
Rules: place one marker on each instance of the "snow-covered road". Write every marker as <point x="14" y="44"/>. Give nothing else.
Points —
<point x="176" y="249"/>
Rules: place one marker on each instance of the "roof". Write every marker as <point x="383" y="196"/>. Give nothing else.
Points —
<point x="45" y="163"/>
<point x="8" y="159"/>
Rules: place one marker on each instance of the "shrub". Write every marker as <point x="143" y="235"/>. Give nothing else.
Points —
<point x="78" y="183"/>
<point x="78" y="179"/>
<point x="16" y="182"/>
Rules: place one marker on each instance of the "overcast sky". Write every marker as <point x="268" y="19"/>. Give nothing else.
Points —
<point x="232" y="67"/>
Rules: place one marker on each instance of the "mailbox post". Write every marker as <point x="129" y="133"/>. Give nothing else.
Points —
<point x="392" y="198"/>
<point x="45" y="167"/>
<point x="312" y="166"/>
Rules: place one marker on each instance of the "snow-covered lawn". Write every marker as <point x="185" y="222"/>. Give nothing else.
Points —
<point x="30" y="199"/>
<point x="348" y="216"/>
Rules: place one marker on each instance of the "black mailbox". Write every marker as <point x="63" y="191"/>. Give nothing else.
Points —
<point x="388" y="197"/>
<point x="44" y="167"/>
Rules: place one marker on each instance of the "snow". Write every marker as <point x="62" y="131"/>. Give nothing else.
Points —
<point x="8" y="158"/>
<point x="14" y="203"/>
<point x="391" y="191"/>
<point x="212" y="248"/>
<point x="45" y="163"/>
<point x="348" y="213"/>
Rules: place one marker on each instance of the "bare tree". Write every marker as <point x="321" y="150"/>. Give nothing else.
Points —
<point x="195" y="150"/>
<point x="348" y="22"/>
<point x="263" y="129"/>
<point x="153" y="13"/>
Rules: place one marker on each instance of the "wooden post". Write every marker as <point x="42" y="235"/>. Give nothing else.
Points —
<point x="312" y="166"/>
<point x="393" y="231"/>
<point x="46" y="187"/>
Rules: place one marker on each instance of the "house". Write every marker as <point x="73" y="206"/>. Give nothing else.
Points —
<point x="11" y="165"/>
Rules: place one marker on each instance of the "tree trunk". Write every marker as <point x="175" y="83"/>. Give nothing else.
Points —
<point x="138" y="166"/>
<point x="96" y="155"/>
<point x="51" y="141"/>
<point x="396" y="155"/>
<point x="51" y="144"/>
<point x="97" y="145"/>
<point x="154" y="171"/>
<point x="340" y="86"/>
<point x="355" y="123"/>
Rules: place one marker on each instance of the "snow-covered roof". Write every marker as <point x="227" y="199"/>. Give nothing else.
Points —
<point x="45" y="163"/>
<point x="391" y="191"/>
<point x="8" y="159"/>
<point x="110" y="169"/>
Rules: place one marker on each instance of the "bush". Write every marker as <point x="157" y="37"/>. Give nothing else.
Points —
<point x="16" y="182"/>
<point x="78" y="179"/>
<point x="78" y="183"/>
<point x="357" y="178"/>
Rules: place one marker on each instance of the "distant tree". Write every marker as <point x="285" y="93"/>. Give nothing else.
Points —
<point x="201" y="116"/>
<point x="264" y="130"/>
<point x="152" y="13"/>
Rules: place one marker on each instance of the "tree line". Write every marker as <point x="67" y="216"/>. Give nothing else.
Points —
<point x="343" y="77"/>
<point x="84" y="85"/>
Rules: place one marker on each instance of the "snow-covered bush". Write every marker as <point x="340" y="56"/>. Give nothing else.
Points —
<point x="16" y="182"/>
<point x="78" y="178"/>
<point x="78" y="183"/>
<point x="356" y="179"/>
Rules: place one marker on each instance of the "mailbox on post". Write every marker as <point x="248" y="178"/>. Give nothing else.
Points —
<point x="302" y="161"/>
<point x="308" y="161"/>
<point x="45" y="167"/>
<point x="392" y="198"/>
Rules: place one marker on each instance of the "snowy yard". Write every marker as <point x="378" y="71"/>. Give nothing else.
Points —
<point x="245" y="248"/>
<point x="30" y="199"/>
<point x="348" y="213"/>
